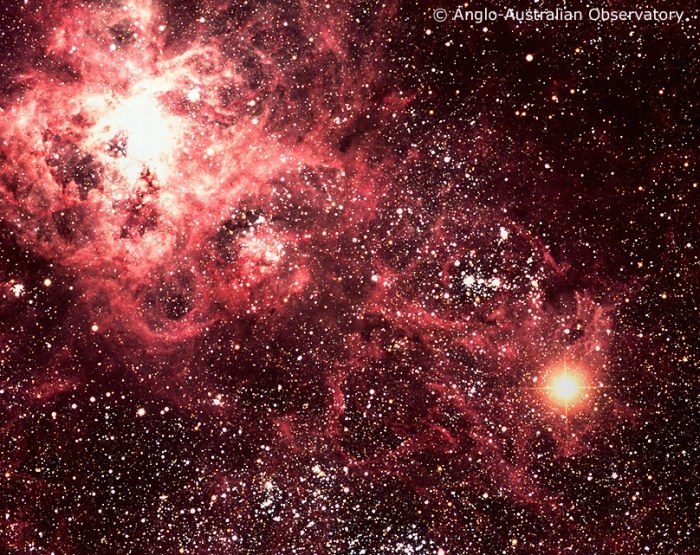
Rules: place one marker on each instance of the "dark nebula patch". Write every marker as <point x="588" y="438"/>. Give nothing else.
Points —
<point x="347" y="278"/>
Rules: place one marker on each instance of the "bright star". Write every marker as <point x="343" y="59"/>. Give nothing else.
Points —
<point x="565" y="388"/>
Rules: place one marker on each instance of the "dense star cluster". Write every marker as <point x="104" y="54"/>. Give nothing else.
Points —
<point x="348" y="278"/>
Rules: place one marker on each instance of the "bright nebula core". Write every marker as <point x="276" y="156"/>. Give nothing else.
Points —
<point x="295" y="278"/>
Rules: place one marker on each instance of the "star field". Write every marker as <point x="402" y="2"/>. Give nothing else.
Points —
<point x="347" y="278"/>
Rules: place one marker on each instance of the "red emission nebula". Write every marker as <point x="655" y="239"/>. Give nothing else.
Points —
<point x="343" y="278"/>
